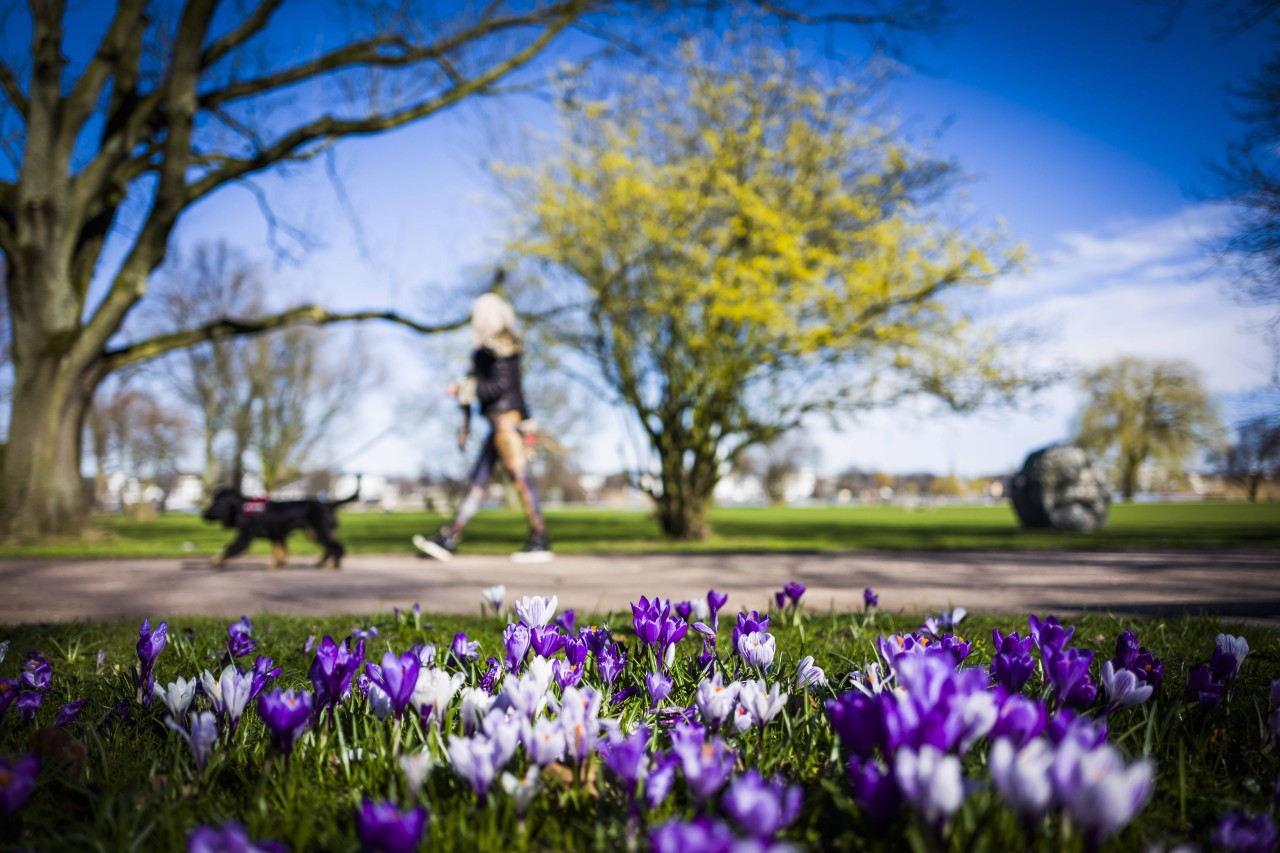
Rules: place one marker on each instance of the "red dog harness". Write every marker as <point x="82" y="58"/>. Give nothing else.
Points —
<point x="255" y="505"/>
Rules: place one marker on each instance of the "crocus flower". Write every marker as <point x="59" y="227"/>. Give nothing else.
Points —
<point x="1065" y="726"/>
<point x="659" y="687"/>
<point x="68" y="713"/>
<point x="1202" y="688"/>
<point x="661" y="778"/>
<point x="627" y="756"/>
<point x="463" y="650"/>
<point x="808" y="675"/>
<point x="579" y="718"/>
<point x="4" y="650"/>
<point x="780" y="598"/>
<point x="1100" y="791"/>
<point x="565" y="621"/>
<point x="37" y="672"/>
<point x="384" y="829"/>
<point x="793" y="590"/>
<point x="536" y="611"/>
<point x="285" y="713"/>
<point x="762" y="808"/>
<point x="229" y="837"/>
<point x="177" y="698"/>
<point x="433" y="691"/>
<point x="567" y="674"/>
<point x="757" y="649"/>
<point x="707" y="763"/>
<point x="1019" y="720"/>
<point x="748" y="623"/>
<point x="875" y="789"/>
<point x="1239" y="833"/>
<point x="494" y="595"/>
<point x="701" y="834"/>
<point x="489" y="681"/>
<point x="546" y="641"/>
<point x="869" y="599"/>
<point x="930" y="780"/>
<point x="1012" y="664"/>
<point x="1068" y="671"/>
<point x="716" y="700"/>
<point x="398" y="678"/>
<point x="17" y="781"/>
<point x="858" y="722"/>
<point x="8" y="693"/>
<point x="544" y="741"/>
<point x="263" y="671"/>
<point x="416" y="767"/>
<point x="473" y="759"/>
<point x="240" y="638"/>
<point x="332" y="671"/>
<point x="1228" y="653"/>
<point x="1122" y="688"/>
<point x="611" y="663"/>
<point x="715" y="601"/>
<point x="516" y="639"/>
<point x="762" y="703"/>
<point x="229" y="695"/>
<point x="474" y="703"/>
<point x="1022" y="776"/>
<point x="150" y="645"/>
<point x="28" y="704"/>
<point x="522" y="790"/>
<point x="201" y="738"/>
<point x="1050" y="633"/>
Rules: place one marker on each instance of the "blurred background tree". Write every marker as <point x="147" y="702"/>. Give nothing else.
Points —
<point x="748" y="243"/>
<point x="1253" y="458"/>
<point x="1138" y="411"/>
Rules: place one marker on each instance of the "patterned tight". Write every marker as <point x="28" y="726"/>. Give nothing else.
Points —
<point x="505" y="444"/>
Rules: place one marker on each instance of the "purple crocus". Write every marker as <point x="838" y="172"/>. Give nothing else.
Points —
<point x="661" y="778"/>
<point x="150" y="645"/>
<point x="1202" y="688"/>
<point x="1050" y="633"/>
<point x="69" y="713"/>
<point x="611" y="663"/>
<point x="869" y="599"/>
<point x="627" y="756"/>
<point x="463" y="651"/>
<point x="240" y="640"/>
<point x="1228" y="654"/>
<point x="1012" y="664"/>
<point x="385" y="829"/>
<point x="707" y="762"/>
<point x="1067" y="671"/>
<point x="567" y="674"/>
<point x="749" y="623"/>
<point x="762" y="808"/>
<point x="397" y="678"/>
<point x="1137" y="659"/>
<point x="37" y="672"/>
<point x="8" y="693"/>
<point x="1021" y="775"/>
<point x="1239" y="833"/>
<point x="565" y="621"/>
<point x="489" y="681"/>
<point x="1020" y="719"/>
<point x="715" y="601"/>
<point x="475" y="760"/>
<point x="17" y="781"/>
<point x="546" y="640"/>
<point x="701" y="834"/>
<point x="285" y="713"/>
<point x="227" y="838"/>
<point x="201" y="738"/>
<point x="263" y="671"/>
<point x="28" y="704"/>
<point x="575" y="650"/>
<point x="858" y="722"/>
<point x="659" y="687"/>
<point x="332" y="671"/>
<point x="516" y="639"/>
<point x="875" y="789"/>
<point x="793" y="590"/>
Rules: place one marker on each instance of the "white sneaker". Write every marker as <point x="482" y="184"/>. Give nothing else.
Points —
<point x="431" y="548"/>
<point x="532" y="557"/>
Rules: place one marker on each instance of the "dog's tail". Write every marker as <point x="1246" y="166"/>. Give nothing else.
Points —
<point x="352" y="497"/>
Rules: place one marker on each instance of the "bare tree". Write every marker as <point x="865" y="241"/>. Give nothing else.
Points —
<point x="137" y="435"/>
<point x="1254" y="458"/>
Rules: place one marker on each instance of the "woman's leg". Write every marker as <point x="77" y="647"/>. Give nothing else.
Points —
<point x="476" y="485"/>
<point x="509" y="444"/>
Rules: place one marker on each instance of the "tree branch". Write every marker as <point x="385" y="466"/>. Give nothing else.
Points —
<point x="125" y="26"/>
<point x="248" y="28"/>
<point x="225" y="327"/>
<point x="12" y="90"/>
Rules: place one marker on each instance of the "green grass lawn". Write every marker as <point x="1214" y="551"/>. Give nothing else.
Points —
<point x="135" y="786"/>
<point x="1188" y="525"/>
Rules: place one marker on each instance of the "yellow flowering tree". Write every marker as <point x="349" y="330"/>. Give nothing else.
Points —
<point x="749" y="246"/>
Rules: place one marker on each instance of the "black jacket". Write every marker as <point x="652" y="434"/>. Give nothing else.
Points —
<point x="498" y="383"/>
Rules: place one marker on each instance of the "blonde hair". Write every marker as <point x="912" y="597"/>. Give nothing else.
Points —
<point x="491" y="315"/>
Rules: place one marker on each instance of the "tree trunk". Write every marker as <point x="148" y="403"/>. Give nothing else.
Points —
<point x="43" y="492"/>
<point x="683" y="517"/>
<point x="1129" y="477"/>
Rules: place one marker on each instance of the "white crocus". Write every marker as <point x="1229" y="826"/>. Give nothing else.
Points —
<point x="809" y="675"/>
<point x="522" y="790"/>
<point x="473" y="704"/>
<point x="494" y="595"/>
<point x="417" y="768"/>
<point x="1022" y="775"/>
<point x="1122" y="687"/>
<point x="762" y="703"/>
<point x="715" y="699"/>
<point x="434" y="691"/>
<point x="229" y="693"/>
<point x="757" y="649"/>
<point x="536" y="611"/>
<point x="177" y="697"/>
<point x="930" y="780"/>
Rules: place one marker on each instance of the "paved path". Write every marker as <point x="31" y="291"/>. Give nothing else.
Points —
<point x="1231" y="583"/>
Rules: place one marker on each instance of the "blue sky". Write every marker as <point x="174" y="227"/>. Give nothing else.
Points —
<point x="1088" y="138"/>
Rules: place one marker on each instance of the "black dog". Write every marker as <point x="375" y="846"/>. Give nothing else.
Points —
<point x="275" y="520"/>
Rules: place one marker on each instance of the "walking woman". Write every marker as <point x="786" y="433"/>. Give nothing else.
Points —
<point x="494" y="383"/>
